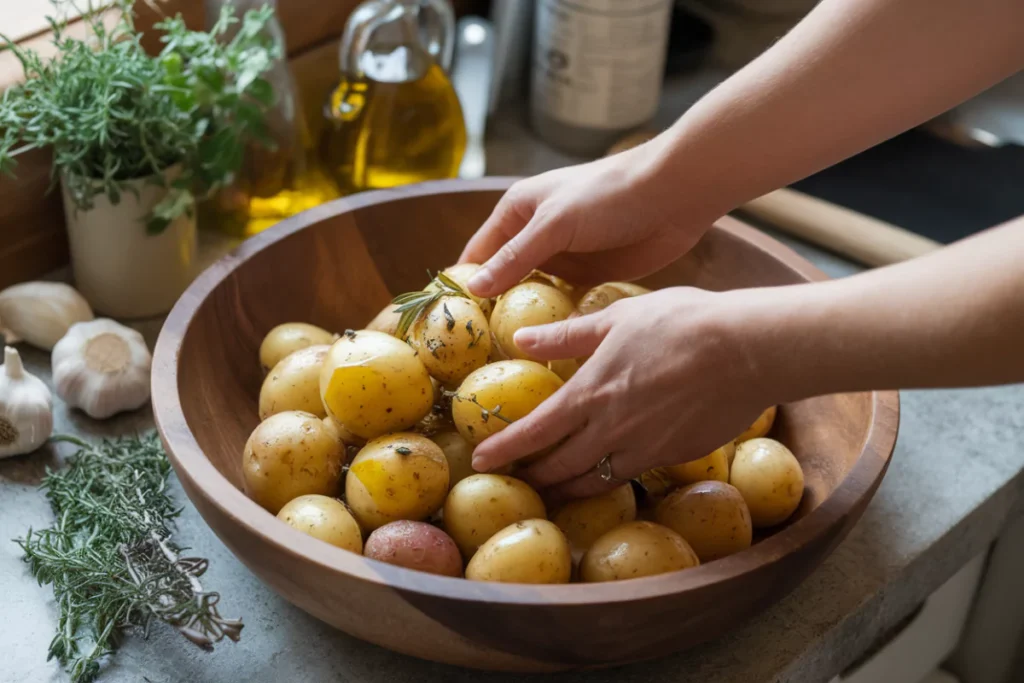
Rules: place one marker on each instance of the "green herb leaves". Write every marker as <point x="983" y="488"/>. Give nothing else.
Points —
<point x="110" y="559"/>
<point x="412" y="305"/>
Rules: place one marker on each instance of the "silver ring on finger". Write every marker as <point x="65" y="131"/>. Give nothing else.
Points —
<point x="604" y="468"/>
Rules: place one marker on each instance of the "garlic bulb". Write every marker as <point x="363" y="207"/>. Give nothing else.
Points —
<point x="102" y="367"/>
<point x="40" y="313"/>
<point x="26" y="408"/>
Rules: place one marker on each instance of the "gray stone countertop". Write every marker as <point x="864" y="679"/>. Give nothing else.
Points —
<point x="954" y="483"/>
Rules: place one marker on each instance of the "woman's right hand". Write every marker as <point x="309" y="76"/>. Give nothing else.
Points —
<point x="612" y="219"/>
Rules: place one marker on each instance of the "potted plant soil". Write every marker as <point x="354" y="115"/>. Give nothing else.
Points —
<point x="137" y="139"/>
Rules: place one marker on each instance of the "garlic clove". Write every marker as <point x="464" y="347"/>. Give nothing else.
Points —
<point x="102" y="368"/>
<point x="26" y="408"/>
<point x="40" y="313"/>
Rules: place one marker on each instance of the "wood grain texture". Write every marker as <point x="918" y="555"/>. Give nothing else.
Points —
<point x="336" y="266"/>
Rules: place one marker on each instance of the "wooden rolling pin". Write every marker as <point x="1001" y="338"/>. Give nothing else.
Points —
<point x="860" y="238"/>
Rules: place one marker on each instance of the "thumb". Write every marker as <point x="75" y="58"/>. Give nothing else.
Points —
<point x="517" y="258"/>
<point x="572" y="338"/>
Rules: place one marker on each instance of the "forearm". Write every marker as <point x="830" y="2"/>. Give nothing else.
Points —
<point x="852" y="74"/>
<point x="953" y="318"/>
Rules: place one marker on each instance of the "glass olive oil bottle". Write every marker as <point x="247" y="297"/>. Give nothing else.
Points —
<point x="394" y="118"/>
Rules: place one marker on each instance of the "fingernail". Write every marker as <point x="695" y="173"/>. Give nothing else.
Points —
<point x="480" y="465"/>
<point x="524" y="337"/>
<point x="481" y="282"/>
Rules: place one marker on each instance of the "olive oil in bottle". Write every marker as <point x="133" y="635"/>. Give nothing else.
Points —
<point x="394" y="118"/>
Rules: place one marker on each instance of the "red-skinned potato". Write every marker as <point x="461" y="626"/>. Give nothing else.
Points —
<point x="415" y="545"/>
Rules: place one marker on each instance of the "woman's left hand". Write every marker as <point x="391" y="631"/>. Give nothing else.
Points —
<point x="669" y="380"/>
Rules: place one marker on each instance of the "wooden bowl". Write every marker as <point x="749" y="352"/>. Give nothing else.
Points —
<point x="336" y="266"/>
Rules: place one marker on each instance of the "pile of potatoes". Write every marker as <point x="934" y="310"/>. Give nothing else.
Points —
<point x="367" y="437"/>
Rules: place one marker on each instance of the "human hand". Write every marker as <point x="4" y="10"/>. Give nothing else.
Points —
<point x="670" y="379"/>
<point x="612" y="219"/>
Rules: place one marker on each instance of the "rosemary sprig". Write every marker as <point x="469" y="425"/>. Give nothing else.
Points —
<point x="110" y="559"/>
<point x="414" y="305"/>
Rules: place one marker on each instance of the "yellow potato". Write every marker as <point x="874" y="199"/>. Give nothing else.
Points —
<point x="498" y="394"/>
<point x="601" y="297"/>
<point x="398" y="476"/>
<point x="460" y="274"/>
<point x="656" y="484"/>
<point x="289" y="338"/>
<point x="288" y="455"/>
<point x="452" y="339"/>
<point x="711" y="515"/>
<point x="636" y="549"/>
<point x="762" y="425"/>
<point x="458" y="452"/>
<point x="586" y="519"/>
<point x="553" y="280"/>
<point x="294" y="383"/>
<point x="386" y="321"/>
<point x="342" y="433"/>
<point x="565" y="368"/>
<point x="770" y="479"/>
<point x="374" y="384"/>
<point x="714" y="466"/>
<point x="530" y="551"/>
<point x="525" y="305"/>
<point x="324" y="518"/>
<point x="481" y="505"/>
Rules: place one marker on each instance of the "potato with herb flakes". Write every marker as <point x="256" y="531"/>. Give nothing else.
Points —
<point x="770" y="479"/>
<point x="460" y="274"/>
<point x="498" y="394"/>
<point x="324" y="518"/>
<point x="711" y="515"/>
<point x="386" y="321"/>
<point x="452" y="338"/>
<point x="294" y="383"/>
<point x="584" y="520"/>
<point x="288" y="338"/>
<point x="481" y="505"/>
<point x="531" y="551"/>
<point x="714" y="466"/>
<point x="762" y="425"/>
<point x="525" y="305"/>
<point x="374" y="384"/>
<point x="398" y="476"/>
<point x="634" y="550"/>
<point x="288" y="455"/>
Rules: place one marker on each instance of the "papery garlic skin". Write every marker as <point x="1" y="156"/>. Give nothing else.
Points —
<point x="102" y="367"/>
<point x="40" y="313"/>
<point x="26" y="408"/>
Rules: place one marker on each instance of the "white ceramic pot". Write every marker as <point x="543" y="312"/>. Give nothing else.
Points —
<point x="122" y="270"/>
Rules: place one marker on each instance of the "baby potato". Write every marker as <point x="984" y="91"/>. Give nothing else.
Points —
<point x="586" y="519"/>
<point x="398" y="476"/>
<point x="565" y="368"/>
<point x="498" y="394"/>
<point x="342" y="433"/>
<point x="386" y="321"/>
<point x="374" y="384"/>
<point x="762" y="425"/>
<point x="415" y="545"/>
<point x="294" y="383"/>
<point x="324" y="518"/>
<point x="636" y="549"/>
<point x="530" y="551"/>
<point x="603" y="296"/>
<point x="552" y="280"/>
<point x="288" y="338"/>
<point x="458" y="452"/>
<point x="288" y="455"/>
<point x="481" y="505"/>
<point x="460" y="274"/>
<point x="656" y="484"/>
<point x="711" y="515"/>
<point x="714" y="466"/>
<point x="525" y="305"/>
<point x="770" y="479"/>
<point x="452" y="339"/>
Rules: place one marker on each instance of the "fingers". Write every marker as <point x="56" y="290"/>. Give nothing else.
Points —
<point x="590" y="482"/>
<point x="510" y="216"/>
<point x="529" y="249"/>
<point x="580" y="453"/>
<point x="550" y="422"/>
<point x="572" y="338"/>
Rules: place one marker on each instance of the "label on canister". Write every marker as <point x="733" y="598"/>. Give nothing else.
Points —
<point x="599" y="63"/>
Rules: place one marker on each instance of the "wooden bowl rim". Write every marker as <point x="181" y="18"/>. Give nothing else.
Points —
<point x="198" y="471"/>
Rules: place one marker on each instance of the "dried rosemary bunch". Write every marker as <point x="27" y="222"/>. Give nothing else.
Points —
<point x="110" y="559"/>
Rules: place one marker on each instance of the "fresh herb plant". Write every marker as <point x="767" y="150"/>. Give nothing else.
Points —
<point x="112" y="113"/>
<point x="110" y="557"/>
